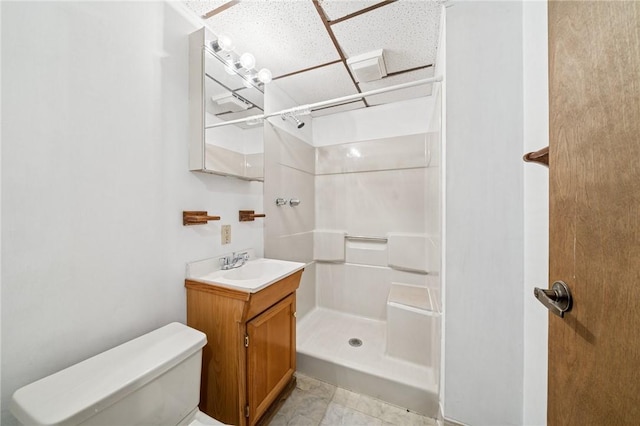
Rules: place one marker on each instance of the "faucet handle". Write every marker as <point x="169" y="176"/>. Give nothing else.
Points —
<point x="225" y="260"/>
<point x="244" y="255"/>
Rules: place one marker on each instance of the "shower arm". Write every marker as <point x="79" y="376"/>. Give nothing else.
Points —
<point x="307" y="109"/>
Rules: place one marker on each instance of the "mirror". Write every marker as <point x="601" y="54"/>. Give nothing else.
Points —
<point x="218" y="95"/>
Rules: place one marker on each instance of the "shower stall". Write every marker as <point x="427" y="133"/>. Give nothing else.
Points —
<point x="366" y="221"/>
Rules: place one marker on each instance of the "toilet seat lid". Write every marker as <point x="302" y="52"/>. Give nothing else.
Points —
<point x="75" y="394"/>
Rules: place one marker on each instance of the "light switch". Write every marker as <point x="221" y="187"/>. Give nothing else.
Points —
<point x="226" y="234"/>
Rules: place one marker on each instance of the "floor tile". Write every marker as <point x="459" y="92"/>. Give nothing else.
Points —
<point x="334" y="414"/>
<point x="315" y="387"/>
<point x="338" y="415"/>
<point x="301" y="408"/>
<point x="314" y="403"/>
<point x="370" y="406"/>
<point x="392" y="415"/>
<point x="356" y="418"/>
<point x="346" y="398"/>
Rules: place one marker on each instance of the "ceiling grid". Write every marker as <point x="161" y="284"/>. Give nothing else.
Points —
<point x="308" y="56"/>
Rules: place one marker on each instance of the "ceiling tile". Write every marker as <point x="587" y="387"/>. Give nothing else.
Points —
<point x="284" y="36"/>
<point x="202" y="7"/>
<point x="335" y="9"/>
<point x="407" y="30"/>
<point x="317" y="85"/>
<point x="402" y="94"/>
<point x="338" y="108"/>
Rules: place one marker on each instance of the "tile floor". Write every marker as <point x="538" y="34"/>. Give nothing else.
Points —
<point x="315" y="403"/>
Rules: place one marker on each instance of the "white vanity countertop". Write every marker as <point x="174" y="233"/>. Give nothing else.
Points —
<point x="253" y="276"/>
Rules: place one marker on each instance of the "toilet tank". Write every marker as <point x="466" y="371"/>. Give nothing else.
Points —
<point x="154" y="379"/>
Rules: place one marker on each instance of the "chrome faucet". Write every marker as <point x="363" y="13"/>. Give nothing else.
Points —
<point x="234" y="261"/>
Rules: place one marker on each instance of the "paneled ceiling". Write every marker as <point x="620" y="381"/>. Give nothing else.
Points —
<point x="306" y="43"/>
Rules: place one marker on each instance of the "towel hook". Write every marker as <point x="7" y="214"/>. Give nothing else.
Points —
<point x="198" y="217"/>
<point x="249" y="215"/>
<point x="541" y="157"/>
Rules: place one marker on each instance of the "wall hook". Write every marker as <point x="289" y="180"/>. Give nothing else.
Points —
<point x="249" y="215"/>
<point x="540" y="157"/>
<point x="197" y="218"/>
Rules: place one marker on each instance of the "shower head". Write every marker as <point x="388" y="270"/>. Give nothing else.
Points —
<point x="296" y="120"/>
<point x="299" y="124"/>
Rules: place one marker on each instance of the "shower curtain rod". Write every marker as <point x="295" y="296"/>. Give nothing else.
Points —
<point x="306" y="109"/>
<point x="302" y="110"/>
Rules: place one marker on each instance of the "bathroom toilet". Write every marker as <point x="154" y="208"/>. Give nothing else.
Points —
<point x="151" y="380"/>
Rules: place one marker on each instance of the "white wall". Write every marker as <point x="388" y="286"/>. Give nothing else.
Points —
<point x="1" y="399"/>
<point x="441" y="70"/>
<point x="94" y="180"/>
<point x="382" y="121"/>
<point x="484" y="214"/>
<point x="536" y="211"/>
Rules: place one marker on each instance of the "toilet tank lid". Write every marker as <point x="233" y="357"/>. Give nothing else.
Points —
<point x="76" y="393"/>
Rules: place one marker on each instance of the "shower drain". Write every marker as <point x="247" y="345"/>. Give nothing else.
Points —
<point x="355" y="342"/>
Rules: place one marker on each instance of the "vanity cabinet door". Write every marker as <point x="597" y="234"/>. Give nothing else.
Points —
<point x="271" y="355"/>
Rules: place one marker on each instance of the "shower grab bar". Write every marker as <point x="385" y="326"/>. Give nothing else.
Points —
<point x="363" y="238"/>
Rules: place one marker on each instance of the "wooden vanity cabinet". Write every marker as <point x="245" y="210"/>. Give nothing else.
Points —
<point x="250" y="355"/>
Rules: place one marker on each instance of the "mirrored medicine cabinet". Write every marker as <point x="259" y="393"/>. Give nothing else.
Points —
<point x="218" y="95"/>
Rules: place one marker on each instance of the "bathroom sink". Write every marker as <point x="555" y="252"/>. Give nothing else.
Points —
<point x="253" y="276"/>
<point x="253" y="270"/>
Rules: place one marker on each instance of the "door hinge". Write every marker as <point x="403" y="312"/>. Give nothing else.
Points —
<point x="246" y="410"/>
<point x="246" y="341"/>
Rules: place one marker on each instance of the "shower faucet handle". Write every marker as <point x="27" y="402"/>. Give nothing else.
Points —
<point x="281" y="201"/>
<point x="294" y="202"/>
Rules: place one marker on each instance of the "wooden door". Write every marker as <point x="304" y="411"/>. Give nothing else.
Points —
<point x="271" y="355"/>
<point x="594" y="235"/>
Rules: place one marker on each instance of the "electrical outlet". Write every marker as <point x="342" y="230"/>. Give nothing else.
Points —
<point x="226" y="234"/>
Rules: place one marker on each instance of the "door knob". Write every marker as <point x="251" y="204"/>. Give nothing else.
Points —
<point x="557" y="299"/>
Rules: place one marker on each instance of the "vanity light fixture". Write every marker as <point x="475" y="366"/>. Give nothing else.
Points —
<point x="222" y="44"/>
<point x="242" y="65"/>
<point x="264" y="75"/>
<point x="247" y="61"/>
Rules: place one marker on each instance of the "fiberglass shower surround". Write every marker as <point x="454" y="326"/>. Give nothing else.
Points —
<point x="368" y="228"/>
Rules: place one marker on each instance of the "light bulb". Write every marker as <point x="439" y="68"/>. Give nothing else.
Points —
<point x="264" y="75"/>
<point x="225" y="43"/>
<point x="247" y="60"/>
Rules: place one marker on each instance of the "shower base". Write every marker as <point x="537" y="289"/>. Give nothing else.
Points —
<point x="324" y="352"/>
